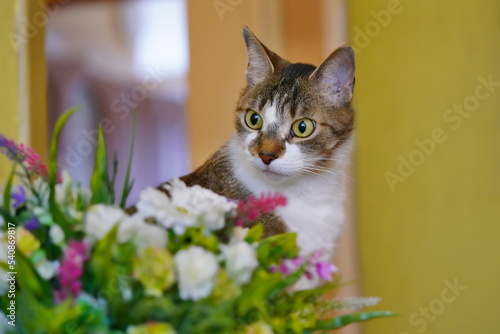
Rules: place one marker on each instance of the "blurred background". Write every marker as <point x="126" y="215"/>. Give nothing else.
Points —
<point x="424" y="210"/>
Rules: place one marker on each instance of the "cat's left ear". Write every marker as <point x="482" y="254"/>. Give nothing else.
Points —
<point x="334" y="78"/>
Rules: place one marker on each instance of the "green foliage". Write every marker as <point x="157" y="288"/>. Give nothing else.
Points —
<point x="8" y="191"/>
<point x="101" y="265"/>
<point x="344" y="320"/>
<point x="55" y="210"/>
<point x="112" y="181"/>
<point x="29" y="280"/>
<point x="61" y="121"/>
<point x="194" y="236"/>
<point x="254" y="234"/>
<point x="127" y="185"/>
<point x="99" y="182"/>
<point x="273" y="249"/>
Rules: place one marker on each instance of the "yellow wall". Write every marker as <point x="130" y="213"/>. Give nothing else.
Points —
<point x="9" y="124"/>
<point x="443" y="221"/>
<point x="23" y="77"/>
<point x="36" y="79"/>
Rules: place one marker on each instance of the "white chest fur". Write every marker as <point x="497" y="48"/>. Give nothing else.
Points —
<point x="315" y="212"/>
<point x="315" y="202"/>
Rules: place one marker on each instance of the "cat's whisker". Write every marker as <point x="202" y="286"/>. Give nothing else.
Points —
<point x="317" y="171"/>
<point x="346" y="162"/>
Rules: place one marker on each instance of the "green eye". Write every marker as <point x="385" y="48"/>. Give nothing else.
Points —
<point x="303" y="128"/>
<point x="253" y="120"/>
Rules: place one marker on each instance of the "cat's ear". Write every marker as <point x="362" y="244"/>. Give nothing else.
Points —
<point x="262" y="62"/>
<point x="334" y="78"/>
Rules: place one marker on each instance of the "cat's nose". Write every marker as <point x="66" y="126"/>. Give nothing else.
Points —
<point x="267" y="157"/>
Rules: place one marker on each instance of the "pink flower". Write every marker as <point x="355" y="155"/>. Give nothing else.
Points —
<point x="26" y="156"/>
<point x="251" y="209"/>
<point x="71" y="269"/>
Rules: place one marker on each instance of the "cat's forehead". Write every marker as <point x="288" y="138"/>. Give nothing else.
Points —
<point x="286" y="90"/>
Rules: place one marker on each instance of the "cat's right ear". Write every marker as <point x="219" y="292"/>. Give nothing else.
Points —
<point x="262" y="62"/>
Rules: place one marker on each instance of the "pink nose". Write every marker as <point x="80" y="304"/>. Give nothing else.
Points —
<point x="267" y="157"/>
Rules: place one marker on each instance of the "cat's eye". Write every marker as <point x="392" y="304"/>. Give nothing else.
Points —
<point x="253" y="120"/>
<point x="303" y="128"/>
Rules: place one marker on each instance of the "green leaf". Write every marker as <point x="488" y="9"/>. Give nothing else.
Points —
<point x="127" y="186"/>
<point x="256" y="293"/>
<point x="56" y="212"/>
<point x="254" y="234"/>
<point x="347" y="319"/>
<point x="314" y="294"/>
<point x="111" y="185"/>
<point x="35" y="317"/>
<point x="7" y="216"/>
<point x="30" y="281"/>
<point x="101" y="263"/>
<point x="99" y="181"/>
<point x="155" y="309"/>
<point x="61" y="121"/>
<point x="272" y="250"/>
<point x="8" y="190"/>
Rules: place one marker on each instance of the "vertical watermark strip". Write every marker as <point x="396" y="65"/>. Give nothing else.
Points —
<point x="11" y="275"/>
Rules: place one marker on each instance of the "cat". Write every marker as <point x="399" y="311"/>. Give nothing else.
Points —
<point x="294" y="129"/>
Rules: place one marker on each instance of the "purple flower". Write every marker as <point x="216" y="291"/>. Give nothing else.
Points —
<point x="284" y="269"/>
<point x="314" y="267"/>
<point x="288" y="266"/>
<point x="297" y="261"/>
<point x="8" y="147"/>
<point x="19" y="197"/>
<point x="325" y="270"/>
<point x="32" y="224"/>
<point x="309" y="275"/>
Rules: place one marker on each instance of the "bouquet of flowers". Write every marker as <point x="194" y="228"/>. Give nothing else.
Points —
<point x="73" y="261"/>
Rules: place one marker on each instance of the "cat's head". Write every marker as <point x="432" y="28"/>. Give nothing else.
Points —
<point x="291" y="118"/>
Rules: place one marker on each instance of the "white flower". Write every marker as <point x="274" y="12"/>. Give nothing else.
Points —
<point x="100" y="220"/>
<point x="68" y="194"/>
<point x="56" y="234"/>
<point x="43" y="215"/>
<point x="143" y="234"/>
<point x="241" y="260"/>
<point x="197" y="270"/>
<point x="198" y="201"/>
<point x="47" y="269"/>
<point x="186" y="206"/>
<point x="63" y="189"/>
<point x="4" y="326"/>
<point x="154" y="203"/>
<point x="42" y="198"/>
<point x="240" y="233"/>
